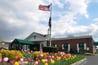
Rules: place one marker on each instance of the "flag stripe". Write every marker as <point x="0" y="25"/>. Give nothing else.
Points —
<point x="44" y="8"/>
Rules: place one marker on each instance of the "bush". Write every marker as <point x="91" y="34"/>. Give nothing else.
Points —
<point x="50" y="49"/>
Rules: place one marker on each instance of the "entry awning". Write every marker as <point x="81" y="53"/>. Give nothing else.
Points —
<point x="27" y="42"/>
<point x="95" y="43"/>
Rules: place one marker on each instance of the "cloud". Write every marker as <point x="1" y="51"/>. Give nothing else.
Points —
<point x="96" y="20"/>
<point x="74" y="29"/>
<point x="96" y="1"/>
<point x="57" y="3"/>
<point x="20" y="18"/>
<point x="67" y="20"/>
<point x="94" y="28"/>
<point x="78" y="7"/>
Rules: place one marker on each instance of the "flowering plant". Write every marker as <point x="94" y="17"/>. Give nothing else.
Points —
<point x="15" y="57"/>
<point x="11" y="54"/>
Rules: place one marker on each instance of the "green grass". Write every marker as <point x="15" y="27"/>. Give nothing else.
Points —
<point x="76" y="59"/>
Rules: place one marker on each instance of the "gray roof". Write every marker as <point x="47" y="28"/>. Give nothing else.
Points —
<point x="64" y="38"/>
<point x="35" y="33"/>
<point x="73" y="37"/>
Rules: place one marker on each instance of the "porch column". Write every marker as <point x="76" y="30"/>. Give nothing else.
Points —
<point x="55" y="46"/>
<point x="77" y="47"/>
<point x="46" y="42"/>
<point x="41" y="47"/>
<point x="62" y="46"/>
<point x="24" y="47"/>
<point x="84" y="46"/>
<point x="68" y="47"/>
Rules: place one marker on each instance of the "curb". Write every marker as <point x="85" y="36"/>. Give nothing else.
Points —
<point x="79" y="62"/>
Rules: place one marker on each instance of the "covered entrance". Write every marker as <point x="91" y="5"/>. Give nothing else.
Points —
<point x="25" y="45"/>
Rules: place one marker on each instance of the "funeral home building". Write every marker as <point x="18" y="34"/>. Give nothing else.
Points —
<point x="74" y="44"/>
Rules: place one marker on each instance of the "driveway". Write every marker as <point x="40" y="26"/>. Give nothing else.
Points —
<point x="91" y="60"/>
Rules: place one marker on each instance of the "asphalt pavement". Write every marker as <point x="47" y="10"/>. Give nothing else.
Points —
<point x="91" y="60"/>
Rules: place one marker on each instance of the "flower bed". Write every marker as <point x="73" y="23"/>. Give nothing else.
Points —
<point x="13" y="57"/>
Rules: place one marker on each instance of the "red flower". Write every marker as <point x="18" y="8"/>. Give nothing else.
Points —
<point x="37" y="59"/>
<point x="29" y="59"/>
<point x="16" y="57"/>
<point x="67" y="56"/>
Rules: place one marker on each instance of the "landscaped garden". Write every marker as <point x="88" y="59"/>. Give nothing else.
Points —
<point x="14" y="57"/>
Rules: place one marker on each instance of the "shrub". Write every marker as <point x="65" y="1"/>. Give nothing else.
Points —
<point x="50" y="49"/>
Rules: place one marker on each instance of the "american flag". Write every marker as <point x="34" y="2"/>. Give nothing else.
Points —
<point x="44" y="7"/>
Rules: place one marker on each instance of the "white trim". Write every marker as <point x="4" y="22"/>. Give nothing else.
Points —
<point x="68" y="47"/>
<point x="62" y="46"/>
<point x="84" y="46"/>
<point x="41" y="47"/>
<point x="55" y="45"/>
<point x="87" y="49"/>
<point x="78" y="47"/>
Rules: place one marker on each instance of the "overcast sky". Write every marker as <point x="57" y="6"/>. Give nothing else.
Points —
<point x="19" y="18"/>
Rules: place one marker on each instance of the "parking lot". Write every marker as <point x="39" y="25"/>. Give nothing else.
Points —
<point x="91" y="60"/>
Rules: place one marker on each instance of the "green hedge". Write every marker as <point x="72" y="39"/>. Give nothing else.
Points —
<point x="50" y="49"/>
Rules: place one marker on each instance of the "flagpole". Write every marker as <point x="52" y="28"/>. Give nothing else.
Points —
<point x="50" y="26"/>
<point x="47" y="8"/>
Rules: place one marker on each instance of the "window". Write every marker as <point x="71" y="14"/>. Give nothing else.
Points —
<point x="54" y="45"/>
<point x="34" y="37"/>
<point x="81" y="45"/>
<point x="42" y="45"/>
<point x="65" y="46"/>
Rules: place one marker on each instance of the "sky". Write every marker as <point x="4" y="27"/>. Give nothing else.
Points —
<point x="19" y="18"/>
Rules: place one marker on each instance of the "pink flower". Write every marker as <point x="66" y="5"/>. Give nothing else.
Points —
<point x="46" y="60"/>
<point x="49" y="57"/>
<point x="0" y="60"/>
<point x="21" y="59"/>
<point x="5" y="59"/>
<point x="12" y="62"/>
<point x="36" y="62"/>
<point x="29" y="59"/>
<point x="53" y="57"/>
